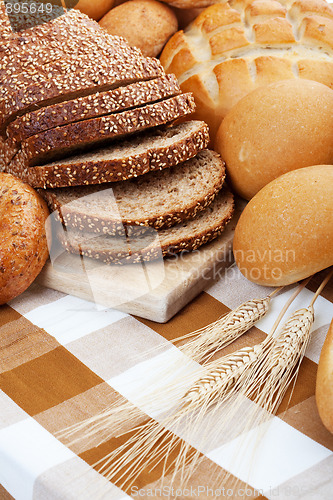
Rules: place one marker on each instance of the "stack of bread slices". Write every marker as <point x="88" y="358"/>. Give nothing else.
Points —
<point x="100" y="129"/>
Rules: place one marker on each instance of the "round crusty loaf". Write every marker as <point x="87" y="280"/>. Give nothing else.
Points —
<point x="146" y="24"/>
<point x="285" y="233"/>
<point x="291" y="127"/>
<point x="324" y="385"/>
<point x="23" y="245"/>
<point x="236" y="47"/>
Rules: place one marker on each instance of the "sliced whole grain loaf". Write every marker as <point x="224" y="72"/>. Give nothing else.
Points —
<point x="71" y="86"/>
<point x="188" y="236"/>
<point x="62" y="141"/>
<point x="158" y="199"/>
<point x="71" y="33"/>
<point x="155" y="150"/>
<point x="94" y="105"/>
<point x="14" y="79"/>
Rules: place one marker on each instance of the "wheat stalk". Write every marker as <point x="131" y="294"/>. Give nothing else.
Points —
<point x="226" y="330"/>
<point x="221" y="381"/>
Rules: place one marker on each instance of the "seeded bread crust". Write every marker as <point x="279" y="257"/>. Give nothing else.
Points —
<point x="71" y="86"/>
<point x="155" y="150"/>
<point x="187" y="236"/>
<point x="75" y="63"/>
<point x="62" y="141"/>
<point x="91" y="106"/>
<point x="172" y="195"/>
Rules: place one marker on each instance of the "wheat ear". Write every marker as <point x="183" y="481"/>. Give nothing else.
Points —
<point x="207" y="342"/>
<point x="154" y="442"/>
<point x="210" y="339"/>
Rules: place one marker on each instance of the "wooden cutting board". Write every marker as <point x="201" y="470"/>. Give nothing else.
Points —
<point x="155" y="291"/>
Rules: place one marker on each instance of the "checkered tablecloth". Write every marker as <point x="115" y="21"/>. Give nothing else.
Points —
<point x="62" y="360"/>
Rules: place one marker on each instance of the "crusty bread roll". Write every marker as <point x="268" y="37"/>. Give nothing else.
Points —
<point x="23" y="245"/>
<point x="275" y="129"/>
<point x="191" y="4"/>
<point x="285" y="233"/>
<point x="146" y="24"/>
<point x="324" y="385"/>
<point x="233" y="48"/>
<point x="95" y="9"/>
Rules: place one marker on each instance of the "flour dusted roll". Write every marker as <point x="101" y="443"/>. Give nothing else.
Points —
<point x="324" y="386"/>
<point x="275" y="129"/>
<point x="285" y="233"/>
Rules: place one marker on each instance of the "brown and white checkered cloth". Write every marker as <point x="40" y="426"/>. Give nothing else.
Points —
<point x="62" y="360"/>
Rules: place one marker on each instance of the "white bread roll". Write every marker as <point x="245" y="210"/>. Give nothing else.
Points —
<point x="324" y="385"/>
<point x="275" y="129"/>
<point x="285" y="233"/>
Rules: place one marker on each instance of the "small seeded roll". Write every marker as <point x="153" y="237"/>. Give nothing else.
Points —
<point x="145" y="24"/>
<point x="23" y="243"/>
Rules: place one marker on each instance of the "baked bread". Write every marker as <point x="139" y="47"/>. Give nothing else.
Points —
<point x="188" y="236"/>
<point x="23" y="245"/>
<point x="155" y="150"/>
<point x="286" y="132"/>
<point x="146" y="24"/>
<point x="191" y="4"/>
<point x="70" y="86"/>
<point x="158" y="199"/>
<point x="62" y="141"/>
<point x="96" y="9"/>
<point x="91" y="106"/>
<point x="324" y="383"/>
<point x="233" y="48"/>
<point x="285" y="233"/>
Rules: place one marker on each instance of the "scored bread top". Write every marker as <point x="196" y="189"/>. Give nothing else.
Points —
<point x="157" y="149"/>
<point x="233" y="48"/>
<point x="158" y="199"/>
<point x="62" y="141"/>
<point x="94" y="105"/>
<point x="188" y="235"/>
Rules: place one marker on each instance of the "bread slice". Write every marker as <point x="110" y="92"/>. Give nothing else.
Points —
<point x="94" y="105"/>
<point x="72" y="85"/>
<point x="188" y="235"/>
<point x="155" y="150"/>
<point x="158" y="199"/>
<point x="62" y="141"/>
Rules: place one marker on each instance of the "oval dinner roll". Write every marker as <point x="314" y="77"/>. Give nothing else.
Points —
<point x="285" y="233"/>
<point x="324" y="386"/>
<point x="95" y="9"/>
<point x="275" y="129"/>
<point x="145" y="24"/>
<point x="23" y="245"/>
